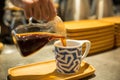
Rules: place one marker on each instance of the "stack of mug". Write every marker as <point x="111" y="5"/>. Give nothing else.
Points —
<point x="116" y="21"/>
<point x="101" y="34"/>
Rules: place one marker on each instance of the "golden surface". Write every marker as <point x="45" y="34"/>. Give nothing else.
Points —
<point x="77" y="26"/>
<point x="91" y="32"/>
<point x="47" y="71"/>
<point x="115" y="19"/>
<point x="1" y="46"/>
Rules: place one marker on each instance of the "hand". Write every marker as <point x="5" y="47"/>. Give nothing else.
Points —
<point x="38" y="9"/>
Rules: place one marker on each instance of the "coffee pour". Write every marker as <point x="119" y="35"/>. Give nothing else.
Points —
<point x="33" y="36"/>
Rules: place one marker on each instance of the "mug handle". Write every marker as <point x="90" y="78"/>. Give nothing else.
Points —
<point x="88" y="45"/>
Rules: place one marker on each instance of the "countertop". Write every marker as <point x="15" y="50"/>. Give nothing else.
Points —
<point x="107" y="63"/>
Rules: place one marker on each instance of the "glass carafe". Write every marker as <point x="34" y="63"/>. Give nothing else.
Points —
<point x="35" y="35"/>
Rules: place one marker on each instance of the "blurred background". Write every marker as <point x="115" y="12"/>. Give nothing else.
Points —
<point x="68" y="10"/>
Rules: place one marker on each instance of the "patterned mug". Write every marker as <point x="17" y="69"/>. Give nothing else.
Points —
<point x="68" y="58"/>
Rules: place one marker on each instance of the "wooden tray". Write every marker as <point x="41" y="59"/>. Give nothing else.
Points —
<point x="104" y="42"/>
<point x="101" y="49"/>
<point x="118" y="40"/>
<point x="97" y="39"/>
<point x="115" y="19"/>
<point x="117" y="37"/>
<point x="117" y="26"/>
<point x="102" y="45"/>
<point x="91" y="32"/>
<point x="1" y="46"/>
<point x="92" y="36"/>
<point x="47" y="71"/>
<point x="77" y="26"/>
<point x="118" y="31"/>
<point x="118" y="44"/>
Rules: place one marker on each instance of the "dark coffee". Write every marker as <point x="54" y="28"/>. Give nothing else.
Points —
<point x="29" y="43"/>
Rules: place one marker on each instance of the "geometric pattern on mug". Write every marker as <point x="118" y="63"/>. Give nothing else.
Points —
<point x="68" y="61"/>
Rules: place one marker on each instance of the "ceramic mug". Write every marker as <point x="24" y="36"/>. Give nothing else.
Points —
<point x="68" y="58"/>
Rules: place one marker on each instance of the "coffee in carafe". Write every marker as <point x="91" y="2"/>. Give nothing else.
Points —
<point x="29" y="43"/>
<point x="32" y="37"/>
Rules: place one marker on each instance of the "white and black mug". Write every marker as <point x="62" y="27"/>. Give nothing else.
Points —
<point x="69" y="57"/>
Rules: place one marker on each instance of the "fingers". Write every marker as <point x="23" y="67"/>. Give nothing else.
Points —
<point x="28" y="12"/>
<point x="39" y="9"/>
<point x="47" y="10"/>
<point x="36" y="10"/>
<point x="28" y="9"/>
<point x="52" y="12"/>
<point x="44" y="9"/>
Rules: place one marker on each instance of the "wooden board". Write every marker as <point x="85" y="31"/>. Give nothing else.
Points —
<point x="92" y="36"/>
<point x="115" y="19"/>
<point x="91" y="32"/>
<point x="1" y="46"/>
<point x="117" y="40"/>
<point x="47" y="71"/>
<point x="77" y="26"/>
<point x="117" y="26"/>
<point x="97" y="39"/>
<point x="103" y="42"/>
<point x="117" y="32"/>
<point x="100" y="48"/>
<point x="95" y="45"/>
<point x="118" y="44"/>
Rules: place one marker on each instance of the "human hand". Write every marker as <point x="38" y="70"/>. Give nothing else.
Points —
<point x="38" y="9"/>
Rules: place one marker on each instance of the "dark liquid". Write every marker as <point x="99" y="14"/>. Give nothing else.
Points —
<point x="29" y="43"/>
